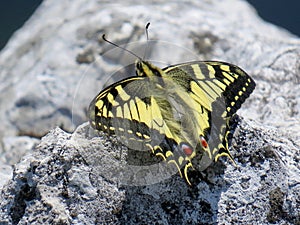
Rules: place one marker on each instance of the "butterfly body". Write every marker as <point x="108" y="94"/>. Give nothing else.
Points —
<point x="180" y="113"/>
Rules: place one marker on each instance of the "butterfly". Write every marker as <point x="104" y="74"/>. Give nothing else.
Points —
<point x="180" y="113"/>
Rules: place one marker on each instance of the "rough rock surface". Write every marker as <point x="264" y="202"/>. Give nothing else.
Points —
<point x="65" y="181"/>
<point x="50" y="71"/>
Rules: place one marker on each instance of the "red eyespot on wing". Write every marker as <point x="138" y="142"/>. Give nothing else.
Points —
<point x="203" y="142"/>
<point x="187" y="149"/>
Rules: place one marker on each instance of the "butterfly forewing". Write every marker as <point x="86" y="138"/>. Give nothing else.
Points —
<point x="218" y="79"/>
<point x="136" y="110"/>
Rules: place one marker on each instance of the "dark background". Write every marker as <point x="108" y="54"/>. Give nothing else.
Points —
<point x="286" y="14"/>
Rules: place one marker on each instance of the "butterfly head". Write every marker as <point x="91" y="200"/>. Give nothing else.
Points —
<point x="147" y="69"/>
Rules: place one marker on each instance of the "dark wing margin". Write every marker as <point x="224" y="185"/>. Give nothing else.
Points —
<point x="239" y="84"/>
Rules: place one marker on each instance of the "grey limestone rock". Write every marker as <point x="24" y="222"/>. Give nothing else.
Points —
<point x="53" y="67"/>
<point x="73" y="179"/>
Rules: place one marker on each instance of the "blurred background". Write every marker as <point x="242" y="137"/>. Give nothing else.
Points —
<point x="14" y="13"/>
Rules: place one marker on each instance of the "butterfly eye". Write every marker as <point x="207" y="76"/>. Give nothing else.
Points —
<point x="203" y="142"/>
<point x="139" y="66"/>
<point x="187" y="149"/>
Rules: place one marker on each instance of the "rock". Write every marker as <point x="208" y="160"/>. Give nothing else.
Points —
<point x="55" y="177"/>
<point x="75" y="179"/>
<point x="51" y="70"/>
<point x="14" y="148"/>
<point x="6" y="172"/>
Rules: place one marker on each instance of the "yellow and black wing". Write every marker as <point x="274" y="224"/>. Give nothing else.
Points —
<point x="150" y="111"/>
<point x="226" y="87"/>
<point x="217" y="79"/>
<point x="129" y="109"/>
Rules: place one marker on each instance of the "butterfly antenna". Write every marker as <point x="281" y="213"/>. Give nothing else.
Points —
<point x="114" y="44"/>
<point x="147" y="36"/>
